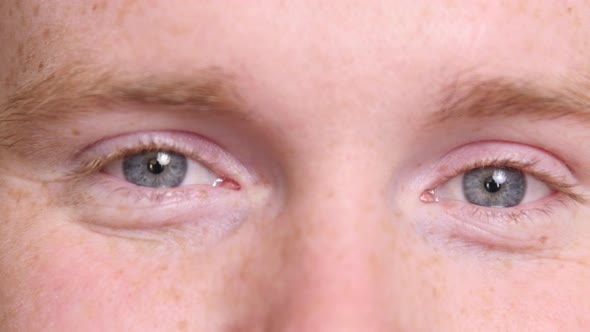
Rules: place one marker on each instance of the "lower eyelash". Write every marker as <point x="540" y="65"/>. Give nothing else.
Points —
<point x="517" y="216"/>
<point x="513" y="230"/>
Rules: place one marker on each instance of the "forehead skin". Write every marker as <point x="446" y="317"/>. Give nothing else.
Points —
<point x="342" y="59"/>
<point x="360" y="66"/>
<point x="390" y="41"/>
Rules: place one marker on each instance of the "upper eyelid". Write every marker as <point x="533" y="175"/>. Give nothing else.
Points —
<point x="531" y="160"/>
<point x="527" y="167"/>
<point x="498" y="153"/>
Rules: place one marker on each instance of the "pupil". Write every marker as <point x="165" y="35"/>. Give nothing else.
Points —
<point x="155" y="167"/>
<point x="491" y="185"/>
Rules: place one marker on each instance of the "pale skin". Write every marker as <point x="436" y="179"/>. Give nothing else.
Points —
<point x="331" y="128"/>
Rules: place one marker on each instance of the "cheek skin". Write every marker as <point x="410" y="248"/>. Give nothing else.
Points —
<point x="78" y="277"/>
<point x="66" y="276"/>
<point x="538" y="294"/>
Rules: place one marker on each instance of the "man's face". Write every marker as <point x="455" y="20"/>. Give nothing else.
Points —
<point x="294" y="166"/>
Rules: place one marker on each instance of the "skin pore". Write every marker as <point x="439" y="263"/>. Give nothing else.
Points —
<point x="332" y="127"/>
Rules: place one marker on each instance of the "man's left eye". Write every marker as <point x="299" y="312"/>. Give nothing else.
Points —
<point x="494" y="186"/>
<point x="161" y="169"/>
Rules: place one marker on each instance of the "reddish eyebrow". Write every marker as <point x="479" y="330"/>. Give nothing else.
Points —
<point x="504" y="98"/>
<point x="76" y="91"/>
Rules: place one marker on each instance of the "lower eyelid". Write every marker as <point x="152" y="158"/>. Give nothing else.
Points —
<point x="104" y="200"/>
<point x="523" y="228"/>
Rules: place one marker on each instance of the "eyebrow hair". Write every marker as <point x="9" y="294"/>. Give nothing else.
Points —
<point x="78" y="90"/>
<point x="509" y="98"/>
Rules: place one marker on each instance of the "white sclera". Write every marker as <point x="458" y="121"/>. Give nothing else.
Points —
<point x="196" y="172"/>
<point x="453" y="189"/>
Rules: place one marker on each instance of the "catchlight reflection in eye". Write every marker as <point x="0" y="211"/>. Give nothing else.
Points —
<point x="490" y="186"/>
<point x="162" y="169"/>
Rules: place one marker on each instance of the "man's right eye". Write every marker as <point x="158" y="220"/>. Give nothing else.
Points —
<point x="162" y="169"/>
<point x="150" y="180"/>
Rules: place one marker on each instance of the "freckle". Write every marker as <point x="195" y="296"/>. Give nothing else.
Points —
<point x="40" y="66"/>
<point x="426" y="14"/>
<point x="94" y="7"/>
<point x="435" y="292"/>
<point x="35" y="258"/>
<point x="175" y="294"/>
<point x="203" y="194"/>
<point x="183" y="325"/>
<point x="283" y="253"/>
<point x="20" y="50"/>
<point x="17" y="4"/>
<point x="543" y="239"/>
<point x="75" y="132"/>
<point x="443" y="168"/>
<point x="264" y="181"/>
<point x="36" y="10"/>
<point x="463" y="311"/>
<point x="124" y="11"/>
<point x="46" y="33"/>
<point x="331" y="193"/>
<point x="434" y="260"/>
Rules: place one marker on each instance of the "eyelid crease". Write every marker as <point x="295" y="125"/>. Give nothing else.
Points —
<point x="553" y="182"/>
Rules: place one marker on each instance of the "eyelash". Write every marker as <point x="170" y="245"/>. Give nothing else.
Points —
<point x="152" y="142"/>
<point x="552" y="181"/>
<point x="564" y="195"/>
